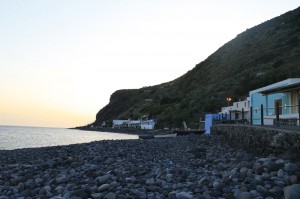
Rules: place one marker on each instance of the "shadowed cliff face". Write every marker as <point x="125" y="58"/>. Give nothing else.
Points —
<point x="262" y="55"/>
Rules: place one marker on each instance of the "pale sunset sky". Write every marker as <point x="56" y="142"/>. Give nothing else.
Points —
<point x="60" y="60"/>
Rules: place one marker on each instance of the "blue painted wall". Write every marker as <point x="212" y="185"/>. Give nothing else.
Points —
<point x="209" y="120"/>
<point x="257" y="99"/>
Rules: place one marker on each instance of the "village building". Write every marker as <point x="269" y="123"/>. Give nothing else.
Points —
<point x="275" y="103"/>
<point x="138" y="124"/>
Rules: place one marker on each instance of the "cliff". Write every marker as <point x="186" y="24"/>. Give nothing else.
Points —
<point x="259" y="56"/>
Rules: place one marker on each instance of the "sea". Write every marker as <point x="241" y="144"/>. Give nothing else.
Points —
<point x="16" y="137"/>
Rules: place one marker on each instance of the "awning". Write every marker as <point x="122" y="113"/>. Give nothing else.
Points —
<point x="282" y="89"/>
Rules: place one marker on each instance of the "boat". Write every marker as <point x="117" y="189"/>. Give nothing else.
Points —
<point x="146" y="137"/>
<point x="188" y="132"/>
<point x="169" y="135"/>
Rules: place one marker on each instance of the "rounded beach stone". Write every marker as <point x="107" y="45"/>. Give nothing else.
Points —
<point x="104" y="187"/>
<point x="172" y="195"/>
<point x="183" y="195"/>
<point x="140" y="194"/>
<point x="261" y="189"/>
<point x="110" y="195"/>
<point x="104" y="179"/>
<point x="83" y="193"/>
<point x="62" y="179"/>
<point x="280" y="173"/>
<point x="291" y="168"/>
<point x="97" y="195"/>
<point x="293" y="179"/>
<point x="292" y="192"/>
<point x="169" y="177"/>
<point x="218" y="186"/>
<point x="59" y="189"/>
<point x="21" y="187"/>
<point x="245" y="195"/>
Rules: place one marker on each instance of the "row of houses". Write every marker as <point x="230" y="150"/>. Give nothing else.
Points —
<point x="275" y="104"/>
<point x="138" y="124"/>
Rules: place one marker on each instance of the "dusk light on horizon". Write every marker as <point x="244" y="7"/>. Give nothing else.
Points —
<point x="61" y="60"/>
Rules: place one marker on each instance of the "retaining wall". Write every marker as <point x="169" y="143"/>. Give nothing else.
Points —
<point x="260" y="140"/>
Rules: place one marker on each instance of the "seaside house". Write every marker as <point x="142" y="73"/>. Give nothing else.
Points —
<point x="285" y="94"/>
<point x="239" y="111"/>
<point x="138" y="124"/>
<point x="148" y="124"/>
<point x="275" y="104"/>
<point x="120" y="123"/>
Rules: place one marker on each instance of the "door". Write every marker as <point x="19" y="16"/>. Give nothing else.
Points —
<point x="294" y="102"/>
<point x="279" y="101"/>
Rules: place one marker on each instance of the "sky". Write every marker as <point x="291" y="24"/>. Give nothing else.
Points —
<point x="60" y="60"/>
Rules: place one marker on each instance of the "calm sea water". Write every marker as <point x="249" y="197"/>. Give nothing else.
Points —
<point x="14" y="137"/>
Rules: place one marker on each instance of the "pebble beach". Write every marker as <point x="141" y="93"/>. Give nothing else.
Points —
<point x="183" y="167"/>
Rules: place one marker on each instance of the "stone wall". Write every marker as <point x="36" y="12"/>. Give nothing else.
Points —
<point x="260" y="140"/>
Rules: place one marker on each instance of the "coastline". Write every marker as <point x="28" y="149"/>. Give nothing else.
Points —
<point x="182" y="167"/>
<point x="130" y="131"/>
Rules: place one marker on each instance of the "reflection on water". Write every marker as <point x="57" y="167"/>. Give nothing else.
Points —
<point x="14" y="137"/>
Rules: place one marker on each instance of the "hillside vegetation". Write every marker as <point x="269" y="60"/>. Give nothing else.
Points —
<point x="259" y="56"/>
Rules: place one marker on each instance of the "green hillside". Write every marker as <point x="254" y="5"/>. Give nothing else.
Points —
<point x="259" y="56"/>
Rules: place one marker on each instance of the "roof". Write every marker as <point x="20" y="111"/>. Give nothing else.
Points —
<point x="282" y="89"/>
<point x="287" y="82"/>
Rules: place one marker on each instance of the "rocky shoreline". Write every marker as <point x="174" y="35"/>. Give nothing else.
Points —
<point x="129" y="131"/>
<point x="183" y="167"/>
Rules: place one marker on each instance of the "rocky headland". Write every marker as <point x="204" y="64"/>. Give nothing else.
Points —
<point x="182" y="167"/>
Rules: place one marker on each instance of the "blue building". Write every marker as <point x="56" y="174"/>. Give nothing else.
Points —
<point x="286" y="93"/>
<point x="211" y="118"/>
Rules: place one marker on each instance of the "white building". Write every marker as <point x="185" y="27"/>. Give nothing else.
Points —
<point x="120" y="123"/>
<point x="148" y="124"/>
<point x="239" y="110"/>
<point x="139" y="124"/>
